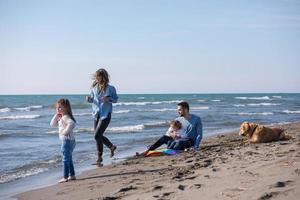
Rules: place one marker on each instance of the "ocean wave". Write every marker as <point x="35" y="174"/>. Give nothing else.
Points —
<point x="17" y="117"/>
<point x="136" y="128"/>
<point x="263" y="104"/>
<point x="163" y="109"/>
<point x="201" y="100"/>
<point x="83" y="130"/>
<point x="29" y="108"/>
<point x="4" y="135"/>
<point x="52" y="132"/>
<point x="121" y="111"/>
<point x="278" y="97"/>
<point x="120" y="129"/>
<point x="79" y="105"/>
<point x="30" y="169"/>
<point x="216" y="100"/>
<point x="4" y="110"/>
<point x="143" y="103"/>
<point x="156" y="124"/>
<point x="250" y="114"/>
<point x="76" y="130"/>
<point x="254" y="98"/>
<point x="200" y="108"/>
<point x="291" y="111"/>
<point x="125" y="129"/>
<point x="82" y="114"/>
<point x="239" y="105"/>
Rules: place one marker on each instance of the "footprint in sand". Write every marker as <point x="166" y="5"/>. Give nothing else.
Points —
<point x="125" y="189"/>
<point x="181" y="187"/>
<point x="268" y="195"/>
<point x="281" y="184"/>
<point x="157" y="187"/>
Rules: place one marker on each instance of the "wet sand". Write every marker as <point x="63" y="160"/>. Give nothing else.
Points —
<point x="225" y="168"/>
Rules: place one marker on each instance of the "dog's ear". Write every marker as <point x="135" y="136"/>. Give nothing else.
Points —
<point x="246" y="126"/>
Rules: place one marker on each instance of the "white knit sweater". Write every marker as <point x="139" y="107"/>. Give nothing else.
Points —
<point x="65" y="127"/>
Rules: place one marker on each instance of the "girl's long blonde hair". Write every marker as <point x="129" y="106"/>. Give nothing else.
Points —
<point x="104" y="76"/>
<point x="66" y="104"/>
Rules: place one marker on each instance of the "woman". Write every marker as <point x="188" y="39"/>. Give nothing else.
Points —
<point x="102" y="96"/>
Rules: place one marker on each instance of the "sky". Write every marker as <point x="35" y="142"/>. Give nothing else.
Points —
<point x="150" y="46"/>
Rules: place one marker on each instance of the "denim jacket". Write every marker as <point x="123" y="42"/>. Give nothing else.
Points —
<point x="100" y="108"/>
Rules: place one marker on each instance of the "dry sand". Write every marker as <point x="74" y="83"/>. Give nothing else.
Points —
<point x="224" y="168"/>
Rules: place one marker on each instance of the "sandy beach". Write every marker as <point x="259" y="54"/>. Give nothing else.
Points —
<point x="225" y="168"/>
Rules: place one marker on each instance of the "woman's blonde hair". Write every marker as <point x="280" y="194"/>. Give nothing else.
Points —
<point x="103" y="74"/>
<point x="66" y="104"/>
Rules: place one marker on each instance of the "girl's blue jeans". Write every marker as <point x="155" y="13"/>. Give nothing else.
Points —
<point x="67" y="148"/>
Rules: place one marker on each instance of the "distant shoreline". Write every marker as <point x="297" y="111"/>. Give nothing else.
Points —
<point x="172" y="93"/>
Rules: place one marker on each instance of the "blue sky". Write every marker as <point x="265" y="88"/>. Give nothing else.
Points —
<point x="150" y="46"/>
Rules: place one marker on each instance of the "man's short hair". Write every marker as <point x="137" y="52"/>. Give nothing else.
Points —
<point x="184" y="105"/>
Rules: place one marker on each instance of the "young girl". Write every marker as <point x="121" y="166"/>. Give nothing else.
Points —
<point x="176" y="132"/>
<point x="65" y="121"/>
<point x="102" y="96"/>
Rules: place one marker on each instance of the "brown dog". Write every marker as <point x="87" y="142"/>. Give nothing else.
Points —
<point x="258" y="133"/>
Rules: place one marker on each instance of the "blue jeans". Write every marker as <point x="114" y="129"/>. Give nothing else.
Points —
<point x="67" y="148"/>
<point x="179" y="144"/>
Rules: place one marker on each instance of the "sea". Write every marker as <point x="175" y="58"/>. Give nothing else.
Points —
<point x="30" y="154"/>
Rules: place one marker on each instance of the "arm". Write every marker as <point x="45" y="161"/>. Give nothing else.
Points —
<point x="200" y="133"/>
<point x="54" y="121"/>
<point x="90" y="98"/>
<point x="168" y="133"/>
<point x="70" y="126"/>
<point x="114" y="97"/>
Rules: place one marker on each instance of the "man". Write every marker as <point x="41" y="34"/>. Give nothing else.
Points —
<point x="191" y="123"/>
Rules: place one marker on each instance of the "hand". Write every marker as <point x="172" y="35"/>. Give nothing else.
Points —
<point x="173" y="134"/>
<point x="58" y="116"/>
<point x="88" y="98"/>
<point x="105" y="99"/>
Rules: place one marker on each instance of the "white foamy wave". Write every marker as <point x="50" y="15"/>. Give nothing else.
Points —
<point x="141" y="97"/>
<point x="16" y="117"/>
<point x="263" y="104"/>
<point x="143" y="103"/>
<point x="156" y="124"/>
<point x="123" y="129"/>
<point x="83" y="130"/>
<point x="4" y="110"/>
<point x="253" y="98"/>
<point x="82" y="114"/>
<point x="52" y="132"/>
<point x="121" y="111"/>
<point x="216" y="100"/>
<point x="250" y="114"/>
<point x="291" y="111"/>
<point x="21" y="174"/>
<point x="29" y="108"/>
<point x="29" y="169"/>
<point x="201" y="100"/>
<point x="239" y="105"/>
<point x="163" y="109"/>
<point x="278" y="97"/>
<point x="200" y="108"/>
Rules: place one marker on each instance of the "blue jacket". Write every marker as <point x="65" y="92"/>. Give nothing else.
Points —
<point x="193" y="128"/>
<point x="100" y="108"/>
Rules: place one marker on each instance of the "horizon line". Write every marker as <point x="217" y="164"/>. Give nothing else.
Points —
<point x="54" y="94"/>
